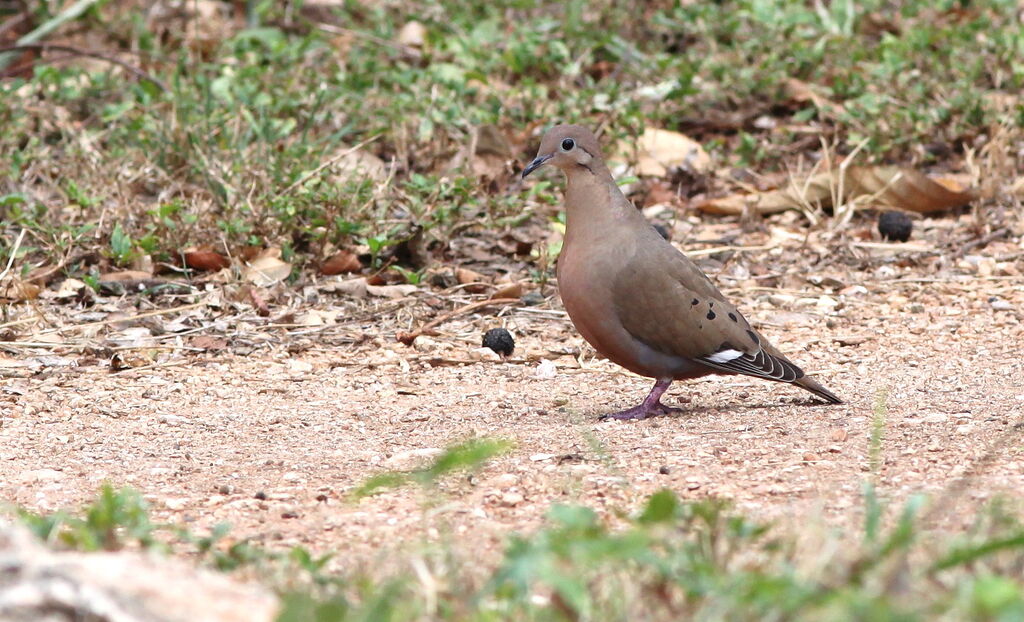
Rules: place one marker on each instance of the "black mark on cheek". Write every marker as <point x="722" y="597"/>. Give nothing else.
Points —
<point x="753" y="337"/>
<point x="732" y="316"/>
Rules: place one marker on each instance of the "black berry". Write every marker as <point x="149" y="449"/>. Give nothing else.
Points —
<point x="499" y="340"/>
<point x="895" y="226"/>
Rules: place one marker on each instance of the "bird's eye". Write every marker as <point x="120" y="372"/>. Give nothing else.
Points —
<point x="568" y="144"/>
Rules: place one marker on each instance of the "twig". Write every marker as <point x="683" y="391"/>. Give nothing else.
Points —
<point x="428" y="328"/>
<point x="301" y="180"/>
<point x="55" y="47"/>
<point x="71" y="13"/>
<point x="14" y="251"/>
<point x="130" y="318"/>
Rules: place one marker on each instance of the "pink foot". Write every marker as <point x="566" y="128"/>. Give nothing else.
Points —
<point x="642" y="411"/>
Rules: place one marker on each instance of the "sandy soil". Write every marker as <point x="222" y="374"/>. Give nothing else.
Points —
<point x="271" y="443"/>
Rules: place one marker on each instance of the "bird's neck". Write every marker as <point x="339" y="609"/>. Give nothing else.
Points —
<point x="593" y="204"/>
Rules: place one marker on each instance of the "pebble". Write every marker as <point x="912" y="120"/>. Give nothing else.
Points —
<point x="511" y="499"/>
<point x="412" y="458"/>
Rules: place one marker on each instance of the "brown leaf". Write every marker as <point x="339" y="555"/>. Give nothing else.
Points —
<point x="208" y="342"/>
<point x="473" y="281"/>
<point x="512" y="290"/>
<point x="16" y="290"/>
<point x="125" y="275"/>
<point x="267" y="268"/>
<point x="657" y="151"/>
<point x="889" y="186"/>
<point x="342" y="262"/>
<point x="204" y="259"/>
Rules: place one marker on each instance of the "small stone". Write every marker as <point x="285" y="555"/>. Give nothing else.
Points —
<point x="999" y="304"/>
<point x="936" y="418"/>
<point x="532" y="299"/>
<point x="289" y="514"/>
<point x="411" y="459"/>
<point x="505" y="480"/>
<point x="292" y="476"/>
<point x="810" y="457"/>
<point x="511" y="499"/>
<point x="226" y="489"/>
<point x="546" y="369"/>
<point x="839" y="435"/>
<point x="664" y="470"/>
<point x="322" y="498"/>
<point x="484" y="354"/>
<point x="262" y="496"/>
<point x="895" y="226"/>
<point x="175" y="505"/>
<point x="499" y="340"/>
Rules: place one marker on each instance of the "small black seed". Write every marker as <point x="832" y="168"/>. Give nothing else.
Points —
<point x="711" y="315"/>
<point x="895" y="226"/>
<point x="732" y="316"/>
<point x="499" y="340"/>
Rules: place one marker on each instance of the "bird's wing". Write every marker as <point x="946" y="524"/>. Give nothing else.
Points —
<point x="664" y="301"/>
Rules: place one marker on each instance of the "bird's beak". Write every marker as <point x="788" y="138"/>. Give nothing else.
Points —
<point x="538" y="162"/>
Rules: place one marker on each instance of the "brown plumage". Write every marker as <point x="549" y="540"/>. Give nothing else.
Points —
<point x="638" y="300"/>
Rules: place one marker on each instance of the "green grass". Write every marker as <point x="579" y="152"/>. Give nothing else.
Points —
<point x="248" y="115"/>
<point x="667" y="560"/>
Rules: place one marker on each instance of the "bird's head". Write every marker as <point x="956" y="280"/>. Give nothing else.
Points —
<point x="567" y="147"/>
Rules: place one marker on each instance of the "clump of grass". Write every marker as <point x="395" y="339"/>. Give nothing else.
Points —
<point x="669" y="560"/>
<point x="144" y="171"/>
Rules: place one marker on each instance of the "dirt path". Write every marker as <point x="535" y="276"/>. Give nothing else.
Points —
<point x="202" y="441"/>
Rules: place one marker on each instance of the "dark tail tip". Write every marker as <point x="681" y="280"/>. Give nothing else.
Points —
<point x="812" y="385"/>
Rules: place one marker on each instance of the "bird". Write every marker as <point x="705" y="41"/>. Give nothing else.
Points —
<point x="636" y="298"/>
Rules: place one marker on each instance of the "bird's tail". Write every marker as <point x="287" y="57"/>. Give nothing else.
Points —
<point x="812" y="385"/>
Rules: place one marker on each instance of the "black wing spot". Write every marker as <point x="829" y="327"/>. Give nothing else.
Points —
<point x="711" y="315"/>
<point x="694" y="302"/>
<point x="732" y="316"/>
<point x="753" y="337"/>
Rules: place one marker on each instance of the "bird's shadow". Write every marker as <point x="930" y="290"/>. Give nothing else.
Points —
<point x="729" y="408"/>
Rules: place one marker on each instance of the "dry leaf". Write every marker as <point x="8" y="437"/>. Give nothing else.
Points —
<point x="657" y="152"/>
<point x="513" y="290"/>
<point x="358" y="163"/>
<point x="69" y="288"/>
<point x="16" y="290"/>
<point x="413" y="34"/>
<point x="125" y="275"/>
<point x="888" y="186"/>
<point x="267" y="268"/>
<point x="342" y="262"/>
<point x="204" y="259"/>
<point x="802" y="92"/>
<point x="473" y="281"/>
<point x="208" y="342"/>
<point x="391" y="291"/>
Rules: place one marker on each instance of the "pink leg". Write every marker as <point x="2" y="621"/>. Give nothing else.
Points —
<point x="651" y="405"/>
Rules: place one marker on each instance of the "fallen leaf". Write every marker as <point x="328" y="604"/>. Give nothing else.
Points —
<point x="473" y="281"/>
<point x="869" y="186"/>
<point x="16" y="290"/>
<point x="413" y="34"/>
<point x="204" y="259"/>
<point x="125" y="275"/>
<point x="69" y="288"/>
<point x="513" y="290"/>
<point x="208" y="342"/>
<point x="342" y="262"/>
<point x="802" y="92"/>
<point x="267" y="268"/>
<point x="658" y="151"/>
<point x="391" y="291"/>
<point x="358" y="163"/>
